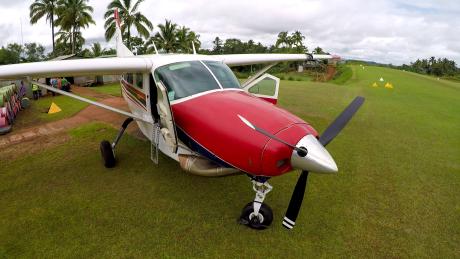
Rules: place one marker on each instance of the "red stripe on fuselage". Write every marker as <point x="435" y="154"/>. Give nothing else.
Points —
<point x="136" y="93"/>
<point x="132" y="98"/>
<point x="212" y="120"/>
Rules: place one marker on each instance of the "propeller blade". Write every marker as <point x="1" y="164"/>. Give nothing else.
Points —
<point x="296" y="201"/>
<point x="341" y="121"/>
<point x="328" y="135"/>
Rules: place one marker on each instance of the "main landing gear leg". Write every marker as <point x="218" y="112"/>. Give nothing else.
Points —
<point x="256" y="214"/>
<point x="108" y="149"/>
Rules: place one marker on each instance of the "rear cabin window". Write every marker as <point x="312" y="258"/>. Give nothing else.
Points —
<point x="129" y="78"/>
<point x="139" y="79"/>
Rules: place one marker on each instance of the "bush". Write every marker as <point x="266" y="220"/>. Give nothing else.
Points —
<point x="344" y="73"/>
<point x="291" y="78"/>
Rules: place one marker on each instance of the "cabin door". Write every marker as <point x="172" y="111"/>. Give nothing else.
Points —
<point x="265" y="87"/>
<point x="165" y="117"/>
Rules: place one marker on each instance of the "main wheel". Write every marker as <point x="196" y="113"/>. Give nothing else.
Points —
<point x="259" y="222"/>
<point x="107" y="154"/>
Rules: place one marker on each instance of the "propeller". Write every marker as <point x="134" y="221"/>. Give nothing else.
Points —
<point x="328" y="135"/>
<point x="318" y="160"/>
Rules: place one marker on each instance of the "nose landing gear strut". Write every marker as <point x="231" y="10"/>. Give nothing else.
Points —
<point x="256" y="214"/>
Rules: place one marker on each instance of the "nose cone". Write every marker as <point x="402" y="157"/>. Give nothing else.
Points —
<point x="317" y="160"/>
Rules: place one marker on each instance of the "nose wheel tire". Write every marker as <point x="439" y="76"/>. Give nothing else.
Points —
<point x="107" y="154"/>
<point x="260" y="221"/>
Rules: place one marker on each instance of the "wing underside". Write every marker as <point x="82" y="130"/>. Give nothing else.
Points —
<point x="77" y="67"/>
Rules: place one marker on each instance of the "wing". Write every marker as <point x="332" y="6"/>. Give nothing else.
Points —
<point x="97" y="66"/>
<point x="77" y="67"/>
<point x="251" y="59"/>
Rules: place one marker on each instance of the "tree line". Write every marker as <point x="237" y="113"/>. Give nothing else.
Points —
<point x="437" y="67"/>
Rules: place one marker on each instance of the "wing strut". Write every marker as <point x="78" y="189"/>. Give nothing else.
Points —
<point x="101" y="105"/>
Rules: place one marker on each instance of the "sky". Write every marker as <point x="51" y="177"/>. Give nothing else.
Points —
<point x="391" y="31"/>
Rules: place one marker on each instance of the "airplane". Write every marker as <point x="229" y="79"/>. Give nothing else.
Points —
<point x="194" y="110"/>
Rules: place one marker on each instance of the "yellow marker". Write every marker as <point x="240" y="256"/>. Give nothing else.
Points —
<point x="375" y="85"/>
<point x="54" y="108"/>
<point x="389" y="86"/>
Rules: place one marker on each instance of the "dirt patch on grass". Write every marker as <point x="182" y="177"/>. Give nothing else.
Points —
<point x="32" y="146"/>
<point x="89" y="114"/>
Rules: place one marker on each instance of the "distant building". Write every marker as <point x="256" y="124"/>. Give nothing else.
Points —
<point x="86" y="80"/>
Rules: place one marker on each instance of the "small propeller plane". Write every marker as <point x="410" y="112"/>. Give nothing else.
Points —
<point x="194" y="110"/>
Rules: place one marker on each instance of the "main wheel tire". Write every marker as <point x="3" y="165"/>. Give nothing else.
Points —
<point x="107" y="154"/>
<point x="262" y="221"/>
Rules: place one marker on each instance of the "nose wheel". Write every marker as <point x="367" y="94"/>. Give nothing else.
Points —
<point x="257" y="214"/>
<point x="262" y="220"/>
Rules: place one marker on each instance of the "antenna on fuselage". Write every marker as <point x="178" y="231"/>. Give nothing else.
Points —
<point x="155" y="47"/>
<point x="194" y="50"/>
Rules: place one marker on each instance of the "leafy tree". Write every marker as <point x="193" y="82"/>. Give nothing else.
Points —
<point x="318" y="50"/>
<point x="437" y="67"/>
<point x="138" y="45"/>
<point x="129" y="16"/>
<point x="72" y="16"/>
<point x="11" y="54"/>
<point x="39" y="9"/>
<point x="233" y="46"/>
<point x="218" y="48"/>
<point x="110" y="51"/>
<point x="34" y="52"/>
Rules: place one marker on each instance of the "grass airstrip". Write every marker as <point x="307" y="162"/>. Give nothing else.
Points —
<point x="396" y="195"/>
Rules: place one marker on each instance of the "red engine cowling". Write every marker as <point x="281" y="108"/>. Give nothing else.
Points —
<point x="212" y="121"/>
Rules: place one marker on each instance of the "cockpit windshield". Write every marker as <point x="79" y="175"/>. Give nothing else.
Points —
<point x="192" y="77"/>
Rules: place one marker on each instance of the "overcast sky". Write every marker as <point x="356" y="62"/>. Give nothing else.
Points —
<point x="392" y="31"/>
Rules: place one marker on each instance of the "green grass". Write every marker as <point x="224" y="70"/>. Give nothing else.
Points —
<point x="396" y="194"/>
<point x="37" y="113"/>
<point x="112" y="89"/>
<point x="344" y="73"/>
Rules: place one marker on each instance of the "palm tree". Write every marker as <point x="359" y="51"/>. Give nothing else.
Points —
<point x="129" y="16"/>
<point x="97" y="50"/>
<point x="195" y="39"/>
<point x="283" y="39"/>
<point x="65" y="41"/>
<point x="318" y="50"/>
<point x="182" y="40"/>
<point x="72" y="16"/>
<point x="186" y="38"/>
<point x="40" y="8"/>
<point x="297" y="39"/>
<point x="166" y="38"/>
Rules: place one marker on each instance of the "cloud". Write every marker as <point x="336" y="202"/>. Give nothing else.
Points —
<point x="392" y="31"/>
